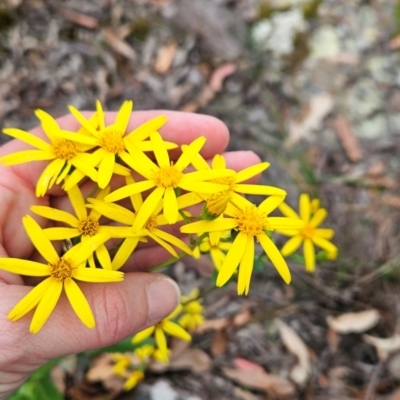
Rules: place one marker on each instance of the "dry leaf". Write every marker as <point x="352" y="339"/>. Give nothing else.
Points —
<point x="384" y="346"/>
<point x="261" y="380"/>
<point x="319" y="107"/>
<point x="219" y="75"/>
<point x="246" y="365"/>
<point x="118" y="45"/>
<point x="347" y="138"/>
<point x="102" y="368"/>
<point x="356" y="322"/>
<point x="165" y="57"/>
<point x="244" y="394"/>
<point x="80" y="19"/>
<point x="301" y="371"/>
<point x="219" y="343"/>
<point x="242" y="318"/>
<point x="213" y="325"/>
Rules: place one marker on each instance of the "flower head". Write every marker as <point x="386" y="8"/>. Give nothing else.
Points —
<point x="310" y="235"/>
<point x="251" y="223"/>
<point x="61" y="272"/>
<point x="192" y="311"/>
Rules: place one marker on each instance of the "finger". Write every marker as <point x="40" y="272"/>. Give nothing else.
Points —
<point x="181" y="128"/>
<point x="120" y="310"/>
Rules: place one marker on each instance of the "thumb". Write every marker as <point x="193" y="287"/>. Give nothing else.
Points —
<point x="120" y="309"/>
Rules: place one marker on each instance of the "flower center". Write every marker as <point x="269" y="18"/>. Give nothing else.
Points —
<point x="88" y="226"/>
<point x="64" y="149"/>
<point x="217" y="202"/>
<point x="168" y="177"/>
<point x="111" y="141"/>
<point x="308" y="231"/>
<point x="194" y="307"/>
<point x="61" y="270"/>
<point x="228" y="180"/>
<point x="151" y="222"/>
<point x="252" y="221"/>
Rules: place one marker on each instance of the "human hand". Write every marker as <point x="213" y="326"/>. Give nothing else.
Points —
<point x="120" y="309"/>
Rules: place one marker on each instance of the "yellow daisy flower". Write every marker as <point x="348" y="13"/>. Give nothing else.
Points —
<point x="62" y="273"/>
<point x="252" y="223"/>
<point x="217" y="250"/>
<point x="64" y="153"/>
<point x="124" y="216"/>
<point x="215" y="204"/>
<point x="310" y="235"/>
<point x="122" y="363"/>
<point x="166" y="326"/>
<point x="166" y="178"/>
<point x="112" y="140"/>
<point x="147" y="351"/>
<point x="134" y="378"/>
<point x="82" y="224"/>
<point x="192" y="311"/>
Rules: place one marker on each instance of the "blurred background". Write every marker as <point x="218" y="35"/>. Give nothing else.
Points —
<point x="313" y="87"/>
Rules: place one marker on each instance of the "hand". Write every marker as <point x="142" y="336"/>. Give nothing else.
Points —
<point x="120" y="309"/>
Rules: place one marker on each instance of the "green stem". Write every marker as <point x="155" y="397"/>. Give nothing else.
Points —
<point x="93" y="192"/>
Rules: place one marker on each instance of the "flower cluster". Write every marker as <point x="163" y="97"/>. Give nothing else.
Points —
<point x="158" y="190"/>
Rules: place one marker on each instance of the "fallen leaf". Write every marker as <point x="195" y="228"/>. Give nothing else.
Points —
<point x="213" y="325"/>
<point x="118" y="45"/>
<point x="347" y="139"/>
<point x="242" y="318"/>
<point x="355" y="322"/>
<point x="384" y="346"/>
<point x="318" y="108"/>
<point x="393" y="365"/>
<point x="165" y="57"/>
<point x="219" y="343"/>
<point x="80" y="19"/>
<point x="261" y="380"/>
<point x="302" y="370"/>
<point x="246" y="365"/>
<point x="219" y="75"/>
<point x="244" y="394"/>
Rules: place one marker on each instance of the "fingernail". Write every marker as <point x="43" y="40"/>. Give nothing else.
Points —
<point x="163" y="296"/>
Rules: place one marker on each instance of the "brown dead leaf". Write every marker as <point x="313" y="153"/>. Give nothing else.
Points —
<point x="213" y="325"/>
<point x="246" y="365"/>
<point x="219" y="75"/>
<point x="80" y="19"/>
<point x="377" y="169"/>
<point x="301" y="371"/>
<point x="118" y="45"/>
<point x="242" y="318"/>
<point x="384" y="346"/>
<point x="333" y="339"/>
<point x="165" y="57"/>
<point x="355" y="322"/>
<point x="102" y="368"/>
<point x="219" y="343"/>
<point x="261" y="380"/>
<point x="244" y="394"/>
<point x="347" y="138"/>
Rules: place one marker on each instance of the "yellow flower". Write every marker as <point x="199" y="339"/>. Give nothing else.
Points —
<point x="166" y="178"/>
<point x="166" y="326"/>
<point x="83" y="225"/>
<point x="192" y="311"/>
<point x="217" y="251"/>
<point x="122" y="363"/>
<point x="124" y="216"/>
<point x="252" y="223"/>
<point x="216" y="203"/>
<point x="134" y="378"/>
<point x="112" y="140"/>
<point x="147" y="351"/>
<point x="310" y="234"/>
<point x="64" y="153"/>
<point x="61" y="272"/>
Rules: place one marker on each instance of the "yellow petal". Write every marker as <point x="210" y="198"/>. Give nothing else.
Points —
<point x="79" y="162"/>
<point x="217" y="257"/>
<point x="246" y="268"/>
<point x="100" y="115"/>
<point x="147" y="209"/>
<point x="175" y="330"/>
<point x="325" y="233"/>
<point x="82" y="120"/>
<point x="97" y="275"/>
<point x="259" y="189"/>
<point x="161" y="342"/>
<point x="120" y="232"/>
<point x="198" y="161"/>
<point x="250" y="172"/>
<point x="112" y="211"/>
<point x="159" y="150"/>
<point x="188" y="200"/>
<point x="56" y="215"/>
<point x="143" y="131"/>
<point x="164" y="244"/>
<point x="288" y="211"/>
<point x="319" y="217"/>
<point x="218" y="162"/>
<point x="39" y="240"/>
<point x="271" y="203"/>
<point x="24" y="267"/>
<point x="283" y="223"/>
<point x="210" y="226"/>
<point x="124" y="252"/>
<point x="129" y="190"/>
<point x="292" y="245"/>
<point x="64" y="173"/>
<point x="106" y="169"/>
<point x="172" y="239"/>
<point x="104" y="257"/>
<point x="232" y="259"/>
<point x="305" y="207"/>
<point x="187" y="156"/>
<point x="49" y="124"/>
<point x="143" y="335"/>
<point x="309" y="255"/>
<point x="170" y="206"/>
<point x="48" y="176"/>
<point x="123" y="116"/>
<point x="78" y="202"/>
<point x="26" y="156"/>
<point x="61" y="233"/>
<point x="136" y="199"/>
<point x="276" y="257"/>
<point x="201" y="187"/>
<point x="30" y="301"/>
<point x="79" y="303"/>
<point x="209" y="174"/>
<point x="28" y="138"/>
<point x="139" y="162"/>
<point x="46" y="305"/>
<point x="324" y="244"/>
